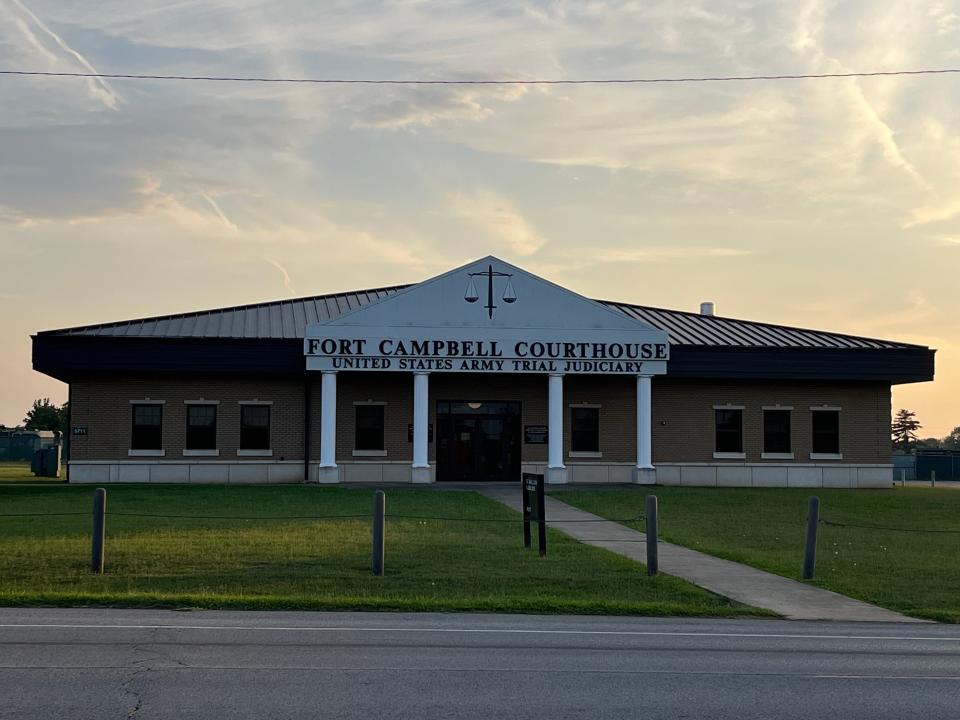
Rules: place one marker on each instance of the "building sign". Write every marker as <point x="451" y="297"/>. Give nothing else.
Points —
<point x="535" y="434"/>
<point x="79" y="430"/>
<point x="513" y="353"/>
<point x="487" y="317"/>
<point x="410" y="432"/>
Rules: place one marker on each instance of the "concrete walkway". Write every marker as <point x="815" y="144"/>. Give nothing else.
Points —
<point x="744" y="584"/>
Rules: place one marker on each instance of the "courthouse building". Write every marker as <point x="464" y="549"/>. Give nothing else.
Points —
<point x="478" y="374"/>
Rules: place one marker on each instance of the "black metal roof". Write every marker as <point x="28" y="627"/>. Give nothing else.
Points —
<point x="288" y="319"/>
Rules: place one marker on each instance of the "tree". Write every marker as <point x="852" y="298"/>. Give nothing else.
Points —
<point x="952" y="441"/>
<point x="904" y="430"/>
<point x="44" y="415"/>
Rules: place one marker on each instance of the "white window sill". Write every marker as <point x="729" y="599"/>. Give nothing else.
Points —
<point x="776" y="456"/>
<point x="584" y="454"/>
<point x="826" y="456"/>
<point x="146" y="453"/>
<point x="201" y="453"/>
<point x="369" y="453"/>
<point x="254" y="453"/>
<point x="729" y="456"/>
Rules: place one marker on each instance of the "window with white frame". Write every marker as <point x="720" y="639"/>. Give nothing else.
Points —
<point x="254" y="427"/>
<point x="776" y="431"/>
<point x="146" y="432"/>
<point x="728" y="430"/>
<point x="825" y="431"/>
<point x="369" y="427"/>
<point x="201" y="427"/>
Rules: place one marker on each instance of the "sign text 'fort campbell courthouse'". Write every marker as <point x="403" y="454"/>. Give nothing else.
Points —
<point x="478" y="374"/>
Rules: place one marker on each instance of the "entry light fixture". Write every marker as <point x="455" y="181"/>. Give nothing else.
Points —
<point x="474" y="405"/>
<point x="472" y="295"/>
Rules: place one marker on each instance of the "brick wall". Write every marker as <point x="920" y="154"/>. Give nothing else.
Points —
<point x="103" y="407"/>
<point x="683" y="413"/>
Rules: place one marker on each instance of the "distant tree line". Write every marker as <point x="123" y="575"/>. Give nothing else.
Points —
<point x="906" y="437"/>
<point x="44" y="415"/>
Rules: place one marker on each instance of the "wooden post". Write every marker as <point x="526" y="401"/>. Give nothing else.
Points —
<point x="651" y="522"/>
<point x="99" y="528"/>
<point x="810" y="546"/>
<point x="379" y="511"/>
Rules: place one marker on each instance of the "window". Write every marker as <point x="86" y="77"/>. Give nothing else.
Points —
<point x="201" y="427"/>
<point x="368" y="433"/>
<point x="729" y="429"/>
<point x="147" y="431"/>
<point x="826" y="432"/>
<point x="254" y="427"/>
<point x="776" y="432"/>
<point x="585" y="429"/>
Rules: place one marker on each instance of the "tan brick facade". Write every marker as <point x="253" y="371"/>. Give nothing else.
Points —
<point x="683" y="414"/>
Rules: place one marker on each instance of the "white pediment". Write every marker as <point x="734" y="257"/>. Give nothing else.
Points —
<point x="487" y="316"/>
<point x="462" y="298"/>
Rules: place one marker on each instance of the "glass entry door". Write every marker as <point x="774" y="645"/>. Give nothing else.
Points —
<point x="478" y="441"/>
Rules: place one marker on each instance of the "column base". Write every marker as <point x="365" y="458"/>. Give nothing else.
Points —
<point x="328" y="475"/>
<point x="644" y="476"/>
<point x="422" y="475"/>
<point x="555" y="476"/>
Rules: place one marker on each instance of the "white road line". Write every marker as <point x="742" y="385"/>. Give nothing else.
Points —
<point x="492" y="631"/>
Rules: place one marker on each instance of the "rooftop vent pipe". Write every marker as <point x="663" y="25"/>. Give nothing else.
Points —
<point x="706" y="308"/>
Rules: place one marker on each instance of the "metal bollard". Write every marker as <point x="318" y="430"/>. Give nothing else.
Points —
<point x="379" y="511"/>
<point x="933" y="478"/>
<point x="651" y="518"/>
<point x="810" y="546"/>
<point x="903" y="477"/>
<point x="99" y="530"/>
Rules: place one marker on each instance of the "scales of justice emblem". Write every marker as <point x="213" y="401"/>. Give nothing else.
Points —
<point x="471" y="295"/>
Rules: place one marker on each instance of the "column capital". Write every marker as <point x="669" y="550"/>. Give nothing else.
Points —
<point x="328" y="372"/>
<point x="556" y="374"/>
<point x="421" y="372"/>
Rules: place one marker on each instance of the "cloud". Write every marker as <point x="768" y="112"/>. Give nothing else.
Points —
<point x="227" y="222"/>
<point x="283" y="271"/>
<point x="665" y="254"/>
<point x="56" y="53"/>
<point x="498" y="219"/>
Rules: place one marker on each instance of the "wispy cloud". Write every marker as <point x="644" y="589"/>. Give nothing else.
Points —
<point x="666" y="253"/>
<point x="55" y="50"/>
<point x="495" y="215"/>
<point x="227" y="222"/>
<point x="283" y="272"/>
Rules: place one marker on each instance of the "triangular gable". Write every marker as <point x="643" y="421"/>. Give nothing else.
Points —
<point x="441" y="302"/>
<point x="487" y="316"/>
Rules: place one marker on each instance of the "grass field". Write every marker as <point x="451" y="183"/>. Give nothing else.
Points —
<point x="19" y="472"/>
<point x="313" y="564"/>
<point x="914" y="573"/>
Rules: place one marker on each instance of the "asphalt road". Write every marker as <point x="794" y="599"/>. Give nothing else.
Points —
<point x="152" y="664"/>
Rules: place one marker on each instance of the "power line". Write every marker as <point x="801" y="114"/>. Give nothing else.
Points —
<point x="584" y="81"/>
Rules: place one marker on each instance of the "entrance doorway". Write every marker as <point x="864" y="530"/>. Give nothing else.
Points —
<point x="478" y="441"/>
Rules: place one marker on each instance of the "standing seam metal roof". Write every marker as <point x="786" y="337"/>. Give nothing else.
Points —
<point x="288" y="319"/>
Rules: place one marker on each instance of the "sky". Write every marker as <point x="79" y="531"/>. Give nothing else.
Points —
<point x="832" y="204"/>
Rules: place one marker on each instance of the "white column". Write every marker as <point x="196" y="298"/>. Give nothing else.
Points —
<point x="556" y="471"/>
<point x="421" y="462"/>
<point x="328" y="428"/>
<point x="644" y="473"/>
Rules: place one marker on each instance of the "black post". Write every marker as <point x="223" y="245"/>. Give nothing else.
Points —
<point x="810" y="547"/>
<point x="541" y="517"/>
<point x="651" y="521"/>
<point x="306" y="427"/>
<point x="379" y="507"/>
<point x="526" y="513"/>
<point x="99" y="528"/>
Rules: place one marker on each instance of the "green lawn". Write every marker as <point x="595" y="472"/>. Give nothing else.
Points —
<point x="313" y="564"/>
<point x="19" y="472"/>
<point x="915" y="573"/>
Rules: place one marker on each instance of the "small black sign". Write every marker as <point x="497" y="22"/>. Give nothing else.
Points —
<point x="78" y="430"/>
<point x="534" y="510"/>
<point x="410" y="432"/>
<point x="535" y="434"/>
